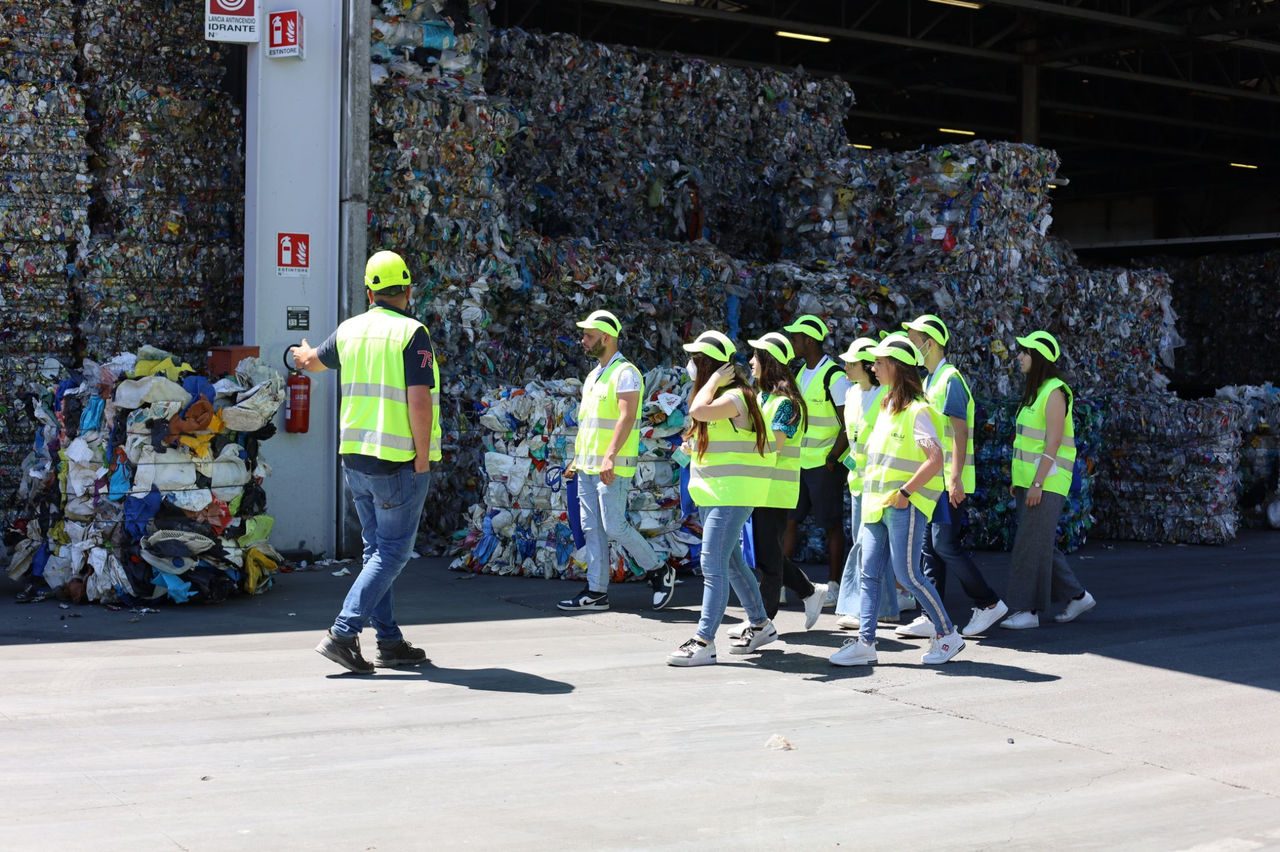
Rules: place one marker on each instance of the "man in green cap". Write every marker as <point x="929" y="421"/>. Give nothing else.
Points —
<point x="606" y="452"/>
<point x="823" y="385"/>
<point x="389" y="434"/>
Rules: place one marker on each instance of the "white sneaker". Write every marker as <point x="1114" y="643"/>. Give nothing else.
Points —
<point x="984" y="619"/>
<point x="854" y="652"/>
<point x="1076" y="608"/>
<point x="693" y="653"/>
<point x="1021" y="621"/>
<point x="907" y="602"/>
<point x="942" y="649"/>
<point x="736" y="631"/>
<point x="832" y="595"/>
<point x="753" y="638"/>
<point x="921" y="628"/>
<point x="848" y="622"/>
<point x="813" y="605"/>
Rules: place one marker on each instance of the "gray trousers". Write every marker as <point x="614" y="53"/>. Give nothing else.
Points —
<point x="604" y="519"/>
<point x="1039" y="573"/>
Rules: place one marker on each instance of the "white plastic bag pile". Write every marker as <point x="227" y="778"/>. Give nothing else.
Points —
<point x="1259" y="452"/>
<point x="144" y="482"/>
<point x="522" y="527"/>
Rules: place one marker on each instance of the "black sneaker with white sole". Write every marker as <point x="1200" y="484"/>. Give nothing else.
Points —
<point x="586" y="601"/>
<point x="663" y="582"/>
<point x="344" y="652"/>
<point x="397" y="654"/>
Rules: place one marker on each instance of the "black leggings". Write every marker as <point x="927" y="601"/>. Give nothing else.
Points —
<point x="776" y="570"/>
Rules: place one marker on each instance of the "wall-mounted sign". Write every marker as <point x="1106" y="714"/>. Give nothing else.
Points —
<point x="293" y="255"/>
<point x="285" y="35"/>
<point x="231" y="20"/>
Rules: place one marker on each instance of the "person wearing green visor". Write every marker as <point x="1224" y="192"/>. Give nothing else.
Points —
<point x="949" y="394"/>
<point x="731" y="471"/>
<point x="822" y="477"/>
<point x="1044" y="456"/>
<point x="861" y="410"/>
<point x="606" y="452"/>
<point x="900" y="491"/>
<point x="389" y="434"/>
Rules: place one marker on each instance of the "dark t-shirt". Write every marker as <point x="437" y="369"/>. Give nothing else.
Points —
<point x="418" y="372"/>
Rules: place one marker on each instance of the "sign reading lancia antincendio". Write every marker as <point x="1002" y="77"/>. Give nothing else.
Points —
<point x="231" y="20"/>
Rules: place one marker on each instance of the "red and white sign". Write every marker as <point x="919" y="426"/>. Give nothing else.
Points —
<point x="231" y="20"/>
<point x="293" y="255"/>
<point x="284" y="35"/>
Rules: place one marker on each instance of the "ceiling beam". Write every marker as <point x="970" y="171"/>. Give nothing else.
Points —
<point x="1168" y="82"/>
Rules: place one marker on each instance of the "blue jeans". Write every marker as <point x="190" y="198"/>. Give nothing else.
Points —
<point x="723" y="566"/>
<point x="850" y="600"/>
<point x="943" y="553"/>
<point x="896" y="540"/>
<point x="390" y="508"/>
<point x="604" y="519"/>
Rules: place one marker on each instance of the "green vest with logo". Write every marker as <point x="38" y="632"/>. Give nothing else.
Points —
<point x="374" y="415"/>
<point x="824" y="426"/>
<point x="857" y="428"/>
<point x="784" y="488"/>
<point x="598" y="415"/>
<point x="1031" y="435"/>
<point x="937" y="396"/>
<point x="893" y="457"/>
<point x="731" y="472"/>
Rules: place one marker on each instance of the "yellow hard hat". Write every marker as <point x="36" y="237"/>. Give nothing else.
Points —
<point x="931" y="325"/>
<point x="602" y="321"/>
<point x="1044" y="343"/>
<point x="714" y="345"/>
<point x="811" y="325"/>
<point x="899" y="346"/>
<point x="386" y="269"/>
<point x="777" y="345"/>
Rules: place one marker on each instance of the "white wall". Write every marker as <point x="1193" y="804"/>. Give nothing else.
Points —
<point x="292" y="183"/>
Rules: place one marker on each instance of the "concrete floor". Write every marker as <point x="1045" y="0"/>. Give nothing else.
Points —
<point x="1151" y="723"/>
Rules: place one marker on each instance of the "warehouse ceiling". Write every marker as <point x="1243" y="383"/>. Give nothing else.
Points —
<point x="1138" y="96"/>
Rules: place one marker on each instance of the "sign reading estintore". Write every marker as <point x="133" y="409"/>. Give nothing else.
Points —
<point x="293" y="255"/>
<point x="231" y="20"/>
<point x="285" y="35"/>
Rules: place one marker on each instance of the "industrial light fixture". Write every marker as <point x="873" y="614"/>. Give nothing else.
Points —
<point x="802" y="36"/>
<point x="1053" y="186"/>
<point x="1242" y="165"/>
<point x="861" y="147"/>
<point x="956" y="132"/>
<point x="963" y="4"/>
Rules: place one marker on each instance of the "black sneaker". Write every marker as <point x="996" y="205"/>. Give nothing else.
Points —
<point x="586" y="601"/>
<point x="344" y="652"/>
<point x="396" y="654"/>
<point x="663" y="582"/>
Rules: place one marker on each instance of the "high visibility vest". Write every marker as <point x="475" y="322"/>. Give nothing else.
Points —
<point x="598" y="415"/>
<point x="857" y="428"/>
<point x="1029" y="442"/>
<point x="784" y="488"/>
<point x="374" y="416"/>
<point x="937" y="396"/>
<point x="893" y="457"/>
<point x="731" y="472"/>
<point x="823" y="427"/>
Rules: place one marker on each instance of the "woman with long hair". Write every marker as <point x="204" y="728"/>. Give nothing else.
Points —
<point x="731" y="471"/>
<point x="861" y="410"/>
<point x="1044" y="457"/>
<point x="900" y="491"/>
<point x="785" y="416"/>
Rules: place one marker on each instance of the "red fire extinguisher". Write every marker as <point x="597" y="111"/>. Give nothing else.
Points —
<point x="297" y="398"/>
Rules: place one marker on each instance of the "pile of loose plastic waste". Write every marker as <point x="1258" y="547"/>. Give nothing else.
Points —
<point x="1169" y="470"/>
<point x="168" y="218"/>
<point x="527" y="524"/>
<point x="144" y="482"/>
<point x="1259" y="452"/>
<point x="618" y="143"/>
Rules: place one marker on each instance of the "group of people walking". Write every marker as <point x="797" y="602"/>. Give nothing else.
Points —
<point x="775" y="444"/>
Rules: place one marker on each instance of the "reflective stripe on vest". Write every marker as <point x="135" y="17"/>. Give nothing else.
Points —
<point x="731" y="472"/>
<point x="858" y="426"/>
<point x="824" y="425"/>
<point x="937" y="395"/>
<point x="893" y="457"/>
<point x="598" y="415"/>
<point x="374" y="413"/>
<point x="1029" y="442"/>
<point x="784" y="487"/>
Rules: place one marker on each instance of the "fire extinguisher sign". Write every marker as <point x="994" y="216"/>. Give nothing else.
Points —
<point x="293" y="255"/>
<point x="285" y="35"/>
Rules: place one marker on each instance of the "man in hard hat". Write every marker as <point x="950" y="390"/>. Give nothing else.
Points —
<point x="943" y="552"/>
<point x="823" y="385"/>
<point x="605" y="456"/>
<point x="389" y="434"/>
